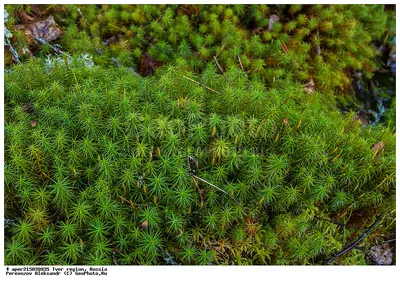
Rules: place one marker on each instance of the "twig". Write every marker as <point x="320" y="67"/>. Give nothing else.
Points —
<point x="192" y="173"/>
<point x="366" y="253"/>
<point x="337" y="223"/>
<point x="356" y="242"/>
<point x="371" y="257"/>
<point x="201" y="84"/>
<point x="200" y="192"/>
<point x="223" y="46"/>
<point x="216" y="187"/>
<point x="241" y="66"/>
<point x="387" y="178"/>
<point x="227" y="79"/>
<point x="44" y="42"/>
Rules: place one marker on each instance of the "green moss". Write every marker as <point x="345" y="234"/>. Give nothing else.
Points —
<point x="111" y="150"/>
<point x="323" y="42"/>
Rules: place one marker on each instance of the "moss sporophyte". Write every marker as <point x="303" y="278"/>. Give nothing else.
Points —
<point x="123" y="169"/>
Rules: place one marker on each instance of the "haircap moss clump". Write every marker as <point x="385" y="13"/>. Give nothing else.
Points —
<point x="104" y="167"/>
<point x="322" y="42"/>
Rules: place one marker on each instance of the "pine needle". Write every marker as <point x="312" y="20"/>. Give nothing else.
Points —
<point x="201" y="84"/>
<point x="227" y="79"/>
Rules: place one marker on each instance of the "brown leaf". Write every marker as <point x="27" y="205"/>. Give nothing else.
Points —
<point x="37" y="9"/>
<point x="309" y="87"/>
<point x="27" y="107"/>
<point x="46" y="29"/>
<point x="148" y="65"/>
<point x="25" y="17"/>
<point x="112" y="40"/>
<point x="382" y="254"/>
<point x="145" y="224"/>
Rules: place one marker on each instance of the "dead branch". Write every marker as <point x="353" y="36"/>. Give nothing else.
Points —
<point x="356" y="242"/>
<point x="201" y="84"/>
<point x="223" y="73"/>
<point x="241" y="66"/>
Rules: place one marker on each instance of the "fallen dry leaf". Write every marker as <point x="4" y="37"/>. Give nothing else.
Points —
<point x="309" y="87"/>
<point x="378" y="146"/>
<point x="145" y="224"/>
<point x="46" y="29"/>
<point x="32" y="15"/>
<point x="382" y="254"/>
<point x="112" y="40"/>
<point x="37" y="9"/>
<point x="148" y="65"/>
<point x="25" y="17"/>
